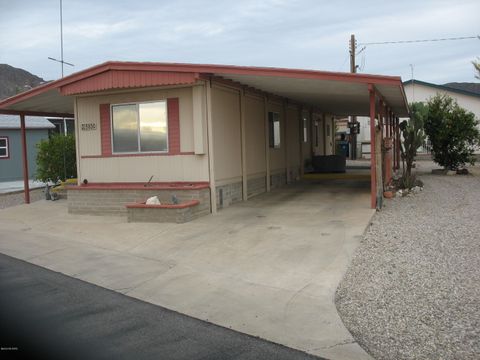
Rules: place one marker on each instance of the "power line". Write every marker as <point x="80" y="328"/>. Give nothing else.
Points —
<point x="422" y="40"/>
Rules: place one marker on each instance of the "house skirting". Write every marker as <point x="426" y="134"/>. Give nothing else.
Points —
<point x="278" y="180"/>
<point x="256" y="186"/>
<point x="229" y="194"/>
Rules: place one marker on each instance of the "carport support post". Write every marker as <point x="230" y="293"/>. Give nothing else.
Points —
<point x="244" y="143"/>
<point x="211" y="171"/>
<point x="397" y="125"/>
<point x="26" y="187"/>
<point x="267" y="145"/>
<point x="373" y="176"/>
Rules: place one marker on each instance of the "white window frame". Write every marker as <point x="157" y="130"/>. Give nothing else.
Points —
<point x="305" y="129"/>
<point x="275" y="118"/>
<point x="6" y="147"/>
<point x="138" y="129"/>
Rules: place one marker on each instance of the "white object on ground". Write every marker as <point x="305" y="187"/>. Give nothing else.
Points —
<point x="153" y="201"/>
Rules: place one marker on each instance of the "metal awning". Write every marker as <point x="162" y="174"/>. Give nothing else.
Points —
<point x="331" y="92"/>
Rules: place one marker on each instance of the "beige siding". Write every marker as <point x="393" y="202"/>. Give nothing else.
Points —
<point x="255" y="135"/>
<point x="226" y="133"/>
<point x="277" y="156"/>
<point x="293" y="138"/>
<point x="138" y="168"/>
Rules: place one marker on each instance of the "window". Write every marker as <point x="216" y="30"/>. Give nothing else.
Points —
<point x="61" y="125"/>
<point x="274" y="129"/>
<point x="305" y="130"/>
<point x="140" y="127"/>
<point x="4" y="151"/>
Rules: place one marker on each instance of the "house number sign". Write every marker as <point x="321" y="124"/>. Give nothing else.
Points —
<point x="89" y="127"/>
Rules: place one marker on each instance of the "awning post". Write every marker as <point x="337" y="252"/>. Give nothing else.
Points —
<point x="397" y="125"/>
<point x="26" y="187"/>
<point x="373" y="175"/>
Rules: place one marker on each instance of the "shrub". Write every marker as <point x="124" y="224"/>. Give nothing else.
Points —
<point x="56" y="158"/>
<point x="413" y="137"/>
<point x="452" y="131"/>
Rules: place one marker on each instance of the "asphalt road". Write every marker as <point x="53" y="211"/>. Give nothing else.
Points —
<point x="47" y="315"/>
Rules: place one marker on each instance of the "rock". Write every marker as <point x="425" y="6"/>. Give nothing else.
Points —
<point x="451" y="172"/>
<point x="153" y="201"/>
<point x="463" y="171"/>
<point x="388" y="194"/>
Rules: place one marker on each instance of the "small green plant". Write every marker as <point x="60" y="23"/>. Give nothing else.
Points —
<point x="452" y="131"/>
<point x="413" y="137"/>
<point x="56" y="158"/>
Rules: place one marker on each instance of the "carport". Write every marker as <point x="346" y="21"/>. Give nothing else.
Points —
<point x="382" y="98"/>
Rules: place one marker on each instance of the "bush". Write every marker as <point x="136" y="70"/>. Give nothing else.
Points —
<point x="56" y="158"/>
<point x="452" y="131"/>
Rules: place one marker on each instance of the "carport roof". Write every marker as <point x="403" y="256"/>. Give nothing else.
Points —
<point x="331" y="92"/>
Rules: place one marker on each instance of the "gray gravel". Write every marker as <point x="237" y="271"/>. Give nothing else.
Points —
<point x="413" y="288"/>
<point x="17" y="198"/>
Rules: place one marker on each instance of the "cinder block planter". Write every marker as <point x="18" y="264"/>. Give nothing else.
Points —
<point x="177" y="213"/>
<point x="111" y="198"/>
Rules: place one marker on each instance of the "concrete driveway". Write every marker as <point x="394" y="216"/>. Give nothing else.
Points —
<point x="268" y="267"/>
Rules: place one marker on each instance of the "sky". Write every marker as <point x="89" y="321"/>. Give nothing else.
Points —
<point x="279" y="33"/>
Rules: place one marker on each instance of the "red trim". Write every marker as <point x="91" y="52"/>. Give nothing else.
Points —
<point x="187" y="204"/>
<point x="8" y="148"/>
<point x="105" y="130"/>
<point x="194" y="185"/>
<point x="134" y="155"/>
<point x="121" y="79"/>
<point x="373" y="170"/>
<point x="36" y="113"/>
<point x="173" y="126"/>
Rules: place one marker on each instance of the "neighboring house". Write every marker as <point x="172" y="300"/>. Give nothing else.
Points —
<point x="62" y="125"/>
<point x="211" y="135"/>
<point x="467" y="96"/>
<point x="37" y="129"/>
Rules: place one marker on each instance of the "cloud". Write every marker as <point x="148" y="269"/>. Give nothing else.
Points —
<point x="97" y="30"/>
<point x="287" y="33"/>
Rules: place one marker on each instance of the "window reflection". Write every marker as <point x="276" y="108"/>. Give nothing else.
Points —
<point x="153" y="126"/>
<point x="125" y="133"/>
<point x="140" y="127"/>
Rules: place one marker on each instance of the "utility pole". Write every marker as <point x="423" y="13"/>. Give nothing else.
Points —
<point x="353" y="119"/>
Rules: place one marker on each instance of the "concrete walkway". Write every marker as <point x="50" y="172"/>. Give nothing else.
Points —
<point x="268" y="267"/>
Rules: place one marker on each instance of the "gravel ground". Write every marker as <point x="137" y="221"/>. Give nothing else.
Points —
<point x="412" y="290"/>
<point x="17" y="198"/>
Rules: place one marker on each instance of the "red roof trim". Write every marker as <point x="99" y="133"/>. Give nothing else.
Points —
<point x="195" y="185"/>
<point x="136" y="155"/>
<point x="203" y="69"/>
<point x="186" y="204"/>
<point x="122" y="79"/>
